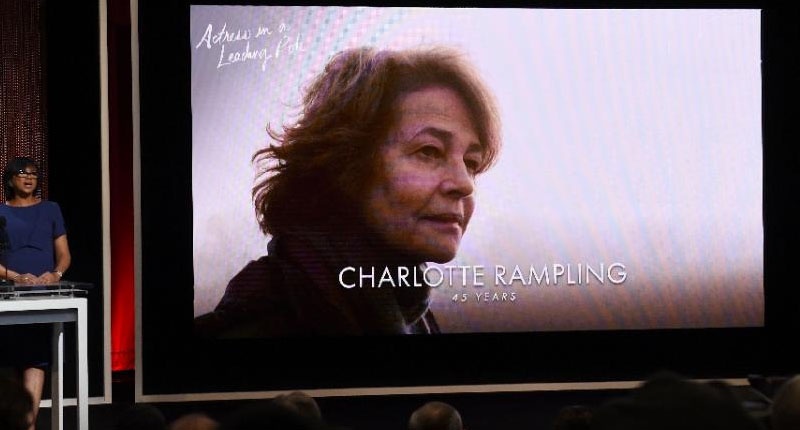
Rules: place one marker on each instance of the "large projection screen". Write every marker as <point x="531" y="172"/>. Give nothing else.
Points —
<point x="624" y="219"/>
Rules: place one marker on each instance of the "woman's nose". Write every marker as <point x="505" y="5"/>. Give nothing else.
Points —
<point x="458" y="180"/>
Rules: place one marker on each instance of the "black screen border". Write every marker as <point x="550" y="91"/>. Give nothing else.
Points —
<point x="72" y="97"/>
<point x="172" y="361"/>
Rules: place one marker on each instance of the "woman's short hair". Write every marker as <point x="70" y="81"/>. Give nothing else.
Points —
<point x="317" y="174"/>
<point x="12" y="168"/>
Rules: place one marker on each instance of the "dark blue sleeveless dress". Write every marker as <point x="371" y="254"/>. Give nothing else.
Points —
<point x="31" y="232"/>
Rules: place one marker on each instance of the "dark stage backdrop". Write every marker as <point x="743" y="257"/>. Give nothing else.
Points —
<point x="72" y="64"/>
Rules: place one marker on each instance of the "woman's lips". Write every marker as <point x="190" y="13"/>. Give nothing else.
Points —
<point x="446" y="221"/>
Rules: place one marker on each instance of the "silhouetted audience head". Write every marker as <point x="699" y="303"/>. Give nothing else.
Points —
<point x="268" y="415"/>
<point x="576" y="417"/>
<point x="194" y="421"/>
<point x="786" y="406"/>
<point x="16" y="405"/>
<point x="142" y="417"/>
<point x="435" y="416"/>
<point x="301" y="403"/>
<point x="668" y="401"/>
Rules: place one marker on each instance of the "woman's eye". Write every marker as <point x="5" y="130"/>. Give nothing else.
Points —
<point x="472" y="165"/>
<point x="430" y="152"/>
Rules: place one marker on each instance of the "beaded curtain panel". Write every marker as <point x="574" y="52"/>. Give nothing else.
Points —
<point x="23" y="106"/>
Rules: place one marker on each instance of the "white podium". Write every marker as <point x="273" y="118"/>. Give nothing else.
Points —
<point x="56" y="310"/>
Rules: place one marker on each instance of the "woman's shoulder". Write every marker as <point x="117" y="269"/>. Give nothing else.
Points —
<point x="46" y="211"/>
<point x="254" y="279"/>
<point x="50" y="207"/>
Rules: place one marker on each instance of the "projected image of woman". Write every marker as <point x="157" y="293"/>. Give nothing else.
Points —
<point x="378" y="174"/>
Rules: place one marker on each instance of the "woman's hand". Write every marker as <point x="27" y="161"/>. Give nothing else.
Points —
<point x="25" y="278"/>
<point x="47" y="278"/>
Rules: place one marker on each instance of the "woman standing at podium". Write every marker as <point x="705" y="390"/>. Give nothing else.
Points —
<point x="36" y="253"/>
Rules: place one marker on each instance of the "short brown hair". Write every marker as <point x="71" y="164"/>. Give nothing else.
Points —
<point x="317" y="174"/>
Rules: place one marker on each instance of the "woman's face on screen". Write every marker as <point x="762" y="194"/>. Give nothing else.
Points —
<point x="422" y="199"/>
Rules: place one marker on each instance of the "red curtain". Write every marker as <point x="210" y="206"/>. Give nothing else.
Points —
<point x="23" y="122"/>
<point x="121" y="177"/>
